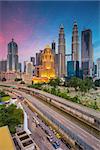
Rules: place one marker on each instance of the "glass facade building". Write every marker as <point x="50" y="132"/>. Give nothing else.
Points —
<point x="12" y="57"/>
<point x="73" y="69"/>
<point x="87" y="53"/>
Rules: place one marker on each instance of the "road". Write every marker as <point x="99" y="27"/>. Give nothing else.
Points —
<point x="79" y="134"/>
<point x="38" y="134"/>
<point x="69" y="103"/>
<point x="59" y="99"/>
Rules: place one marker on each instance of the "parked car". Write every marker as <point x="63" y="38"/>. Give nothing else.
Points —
<point x="68" y="145"/>
<point x="55" y="145"/>
<point x="58" y="143"/>
<point x="58" y="136"/>
<point x="59" y="148"/>
<point x="50" y="139"/>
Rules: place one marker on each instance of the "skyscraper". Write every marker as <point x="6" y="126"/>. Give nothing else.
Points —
<point x="32" y="59"/>
<point x="25" y="66"/>
<point x="87" y="53"/>
<point x="61" y="52"/>
<point x="19" y="67"/>
<point x="75" y="43"/>
<point x="53" y="46"/>
<point x="38" y="58"/>
<point x="12" y="57"/>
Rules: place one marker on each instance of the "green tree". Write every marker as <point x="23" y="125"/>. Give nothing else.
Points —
<point x="11" y="116"/>
<point x="74" y="82"/>
<point x="88" y="83"/>
<point x="97" y="83"/>
<point x="83" y="88"/>
<point x="85" y="85"/>
<point x="57" y="80"/>
<point x="2" y="93"/>
<point x="53" y="83"/>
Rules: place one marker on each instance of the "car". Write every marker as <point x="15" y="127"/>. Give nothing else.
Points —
<point x="54" y="132"/>
<point x="58" y="136"/>
<point x="59" y="148"/>
<point x="49" y="134"/>
<point x="50" y="139"/>
<point x="58" y="143"/>
<point x="55" y="145"/>
<point x="68" y="145"/>
<point x="50" y="128"/>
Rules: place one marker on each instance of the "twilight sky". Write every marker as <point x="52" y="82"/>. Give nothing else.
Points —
<point x="35" y="24"/>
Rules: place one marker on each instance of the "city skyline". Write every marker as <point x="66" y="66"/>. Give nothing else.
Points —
<point x="26" y="29"/>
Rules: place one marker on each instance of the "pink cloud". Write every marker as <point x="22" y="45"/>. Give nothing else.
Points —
<point x="25" y="33"/>
<point x="2" y="39"/>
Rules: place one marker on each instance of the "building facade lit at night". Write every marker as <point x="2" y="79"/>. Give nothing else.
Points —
<point x="45" y="71"/>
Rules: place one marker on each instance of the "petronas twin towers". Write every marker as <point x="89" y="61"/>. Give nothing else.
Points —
<point x="61" y="53"/>
<point x="75" y="43"/>
<point x="62" y="49"/>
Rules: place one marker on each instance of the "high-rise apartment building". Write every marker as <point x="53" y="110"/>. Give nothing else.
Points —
<point x="87" y="53"/>
<point x="12" y="57"/>
<point x="25" y="66"/>
<point x="19" y="67"/>
<point x="75" y="43"/>
<point x="38" y="58"/>
<point x="61" y="52"/>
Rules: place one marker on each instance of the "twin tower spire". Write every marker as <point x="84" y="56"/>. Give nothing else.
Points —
<point x="62" y="49"/>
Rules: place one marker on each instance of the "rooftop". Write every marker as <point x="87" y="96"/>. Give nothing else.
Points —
<point x="6" y="141"/>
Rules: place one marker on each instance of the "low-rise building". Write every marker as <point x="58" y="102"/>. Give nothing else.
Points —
<point x="27" y="78"/>
<point x="25" y="141"/>
<point x="6" y="141"/>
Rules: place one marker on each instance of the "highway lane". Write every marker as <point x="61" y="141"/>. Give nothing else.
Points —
<point x="83" y="135"/>
<point x="59" y="99"/>
<point x="83" y="125"/>
<point x="62" y="100"/>
<point x="38" y="134"/>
